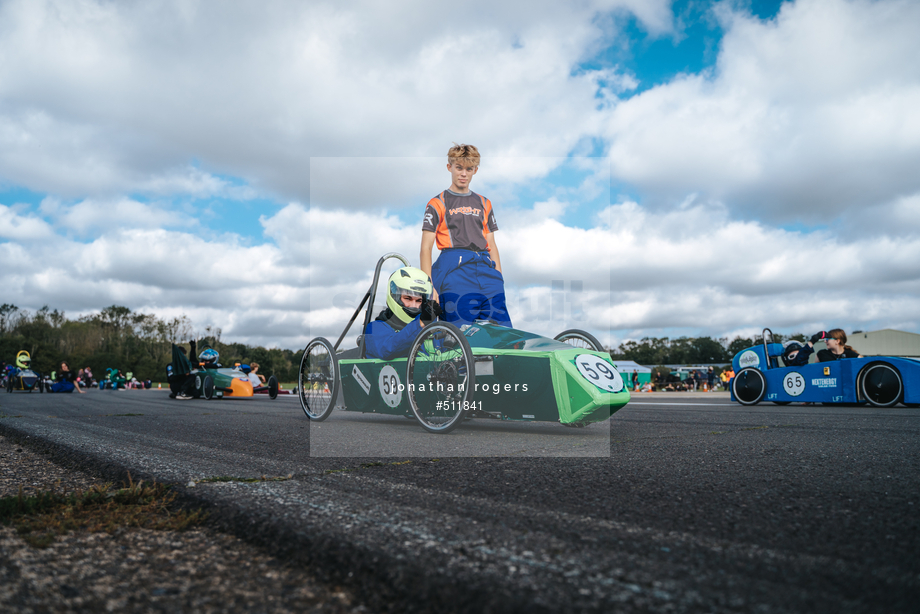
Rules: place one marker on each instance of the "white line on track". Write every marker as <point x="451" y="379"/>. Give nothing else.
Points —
<point x="691" y="404"/>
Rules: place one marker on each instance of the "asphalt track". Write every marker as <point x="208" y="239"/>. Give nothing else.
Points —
<point x="678" y="504"/>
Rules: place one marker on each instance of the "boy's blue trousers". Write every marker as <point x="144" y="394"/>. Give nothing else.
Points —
<point x="469" y="287"/>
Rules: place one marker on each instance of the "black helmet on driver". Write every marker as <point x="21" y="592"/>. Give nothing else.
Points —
<point x="791" y="347"/>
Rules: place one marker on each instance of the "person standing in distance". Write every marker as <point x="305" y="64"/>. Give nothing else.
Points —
<point x="467" y="276"/>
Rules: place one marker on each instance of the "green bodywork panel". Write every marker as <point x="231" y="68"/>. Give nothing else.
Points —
<point x="519" y="376"/>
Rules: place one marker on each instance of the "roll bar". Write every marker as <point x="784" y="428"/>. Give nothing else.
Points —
<point x="369" y="297"/>
<point x="766" y="347"/>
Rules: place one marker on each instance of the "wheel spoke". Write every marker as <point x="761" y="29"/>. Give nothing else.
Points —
<point x="318" y="380"/>
<point x="440" y="377"/>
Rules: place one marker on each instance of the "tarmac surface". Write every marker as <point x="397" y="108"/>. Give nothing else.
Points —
<point x="680" y="503"/>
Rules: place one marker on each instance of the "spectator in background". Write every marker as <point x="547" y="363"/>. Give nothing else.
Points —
<point x="796" y="355"/>
<point x="255" y="378"/>
<point x="635" y="380"/>
<point x="837" y="347"/>
<point x="723" y="377"/>
<point x="730" y="374"/>
<point x="65" y="380"/>
<point x="711" y="379"/>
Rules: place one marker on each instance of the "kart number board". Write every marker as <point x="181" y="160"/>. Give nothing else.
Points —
<point x="794" y="384"/>
<point x="599" y="372"/>
<point x="389" y="386"/>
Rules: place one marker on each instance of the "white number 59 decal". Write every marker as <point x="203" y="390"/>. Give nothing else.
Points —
<point x="599" y="372"/>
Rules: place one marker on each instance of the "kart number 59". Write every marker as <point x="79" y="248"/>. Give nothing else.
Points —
<point x="599" y="372"/>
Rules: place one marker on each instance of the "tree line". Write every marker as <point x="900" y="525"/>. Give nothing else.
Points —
<point x="688" y="350"/>
<point x="118" y="338"/>
<point x="141" y="343"/>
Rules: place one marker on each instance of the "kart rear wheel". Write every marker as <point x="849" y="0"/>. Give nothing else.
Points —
<point x="207" y="388"/>
<point x="273" y="387"/>
<point x="319" y="379"/>
<point x="196" y="393"/>
<point x="580" y="339"/>
<point x="881" y="385"/>
<point x="749" y="385"/>
<point x="440" y="377"/>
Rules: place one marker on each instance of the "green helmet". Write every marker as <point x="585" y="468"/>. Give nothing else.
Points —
<point x="407" y="280"/>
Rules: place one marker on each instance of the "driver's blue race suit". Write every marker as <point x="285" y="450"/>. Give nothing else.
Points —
<point x="388" y="337"/>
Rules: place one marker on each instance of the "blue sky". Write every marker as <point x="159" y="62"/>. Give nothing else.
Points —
<point x="625" y="143"/>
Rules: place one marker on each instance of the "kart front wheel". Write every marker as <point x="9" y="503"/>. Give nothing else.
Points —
<point x="196" y="393"/>
<point x="207" y="388"/>
<point x="580" y="339"/>
<point x="440" y="377"/>
<point x="319" y="379"/>
<point x="272" y="387"/>
<point x="881" y="385"/>
<point x="749" y="386"/>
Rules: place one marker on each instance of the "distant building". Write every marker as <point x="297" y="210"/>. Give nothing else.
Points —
<point x="886" y="342"/>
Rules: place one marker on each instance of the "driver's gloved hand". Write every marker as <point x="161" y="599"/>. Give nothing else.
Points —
<point x="431" y="310"/>
<point x="818" y="337"/>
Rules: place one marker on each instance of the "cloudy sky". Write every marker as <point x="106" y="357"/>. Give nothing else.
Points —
<point x="657" y="168"/>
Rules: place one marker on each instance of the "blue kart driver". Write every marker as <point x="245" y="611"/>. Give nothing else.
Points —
<point x="408" y="310"/>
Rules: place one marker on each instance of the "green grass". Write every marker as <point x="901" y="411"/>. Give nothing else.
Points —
<point x="41" y="517"/>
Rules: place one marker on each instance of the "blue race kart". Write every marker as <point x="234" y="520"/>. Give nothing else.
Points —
<point x="881" y="381"/>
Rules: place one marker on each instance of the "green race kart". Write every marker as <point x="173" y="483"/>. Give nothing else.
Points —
<point x="477" y="371"/>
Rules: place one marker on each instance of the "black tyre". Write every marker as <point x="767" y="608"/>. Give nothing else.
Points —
<point x="749" y="386"/>
<point x="272" y="387"/>
<point x="881" y="385"/>
<point x="319" y="379"/>
<point x="440" y="377"/>
<point x="207" y="388"/>
<point x="196" y="393"/>
<point x="580" y="339"/>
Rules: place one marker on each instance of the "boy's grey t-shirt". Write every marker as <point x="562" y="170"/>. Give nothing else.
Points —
<point x="460" y="220"/>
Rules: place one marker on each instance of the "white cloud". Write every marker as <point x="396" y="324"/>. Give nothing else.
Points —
<point x="94" y="216"/>
<point x="639" y="272"/>
<point x="102" y="97"/>
<point x="351" y="108"/>
<point x="26" y="228"/>
<point x="805" y="117"/>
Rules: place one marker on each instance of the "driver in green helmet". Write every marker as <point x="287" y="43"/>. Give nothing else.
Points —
<point x="408" y="310"/>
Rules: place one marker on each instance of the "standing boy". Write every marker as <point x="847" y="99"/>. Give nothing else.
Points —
<point x="468" y="273"/>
